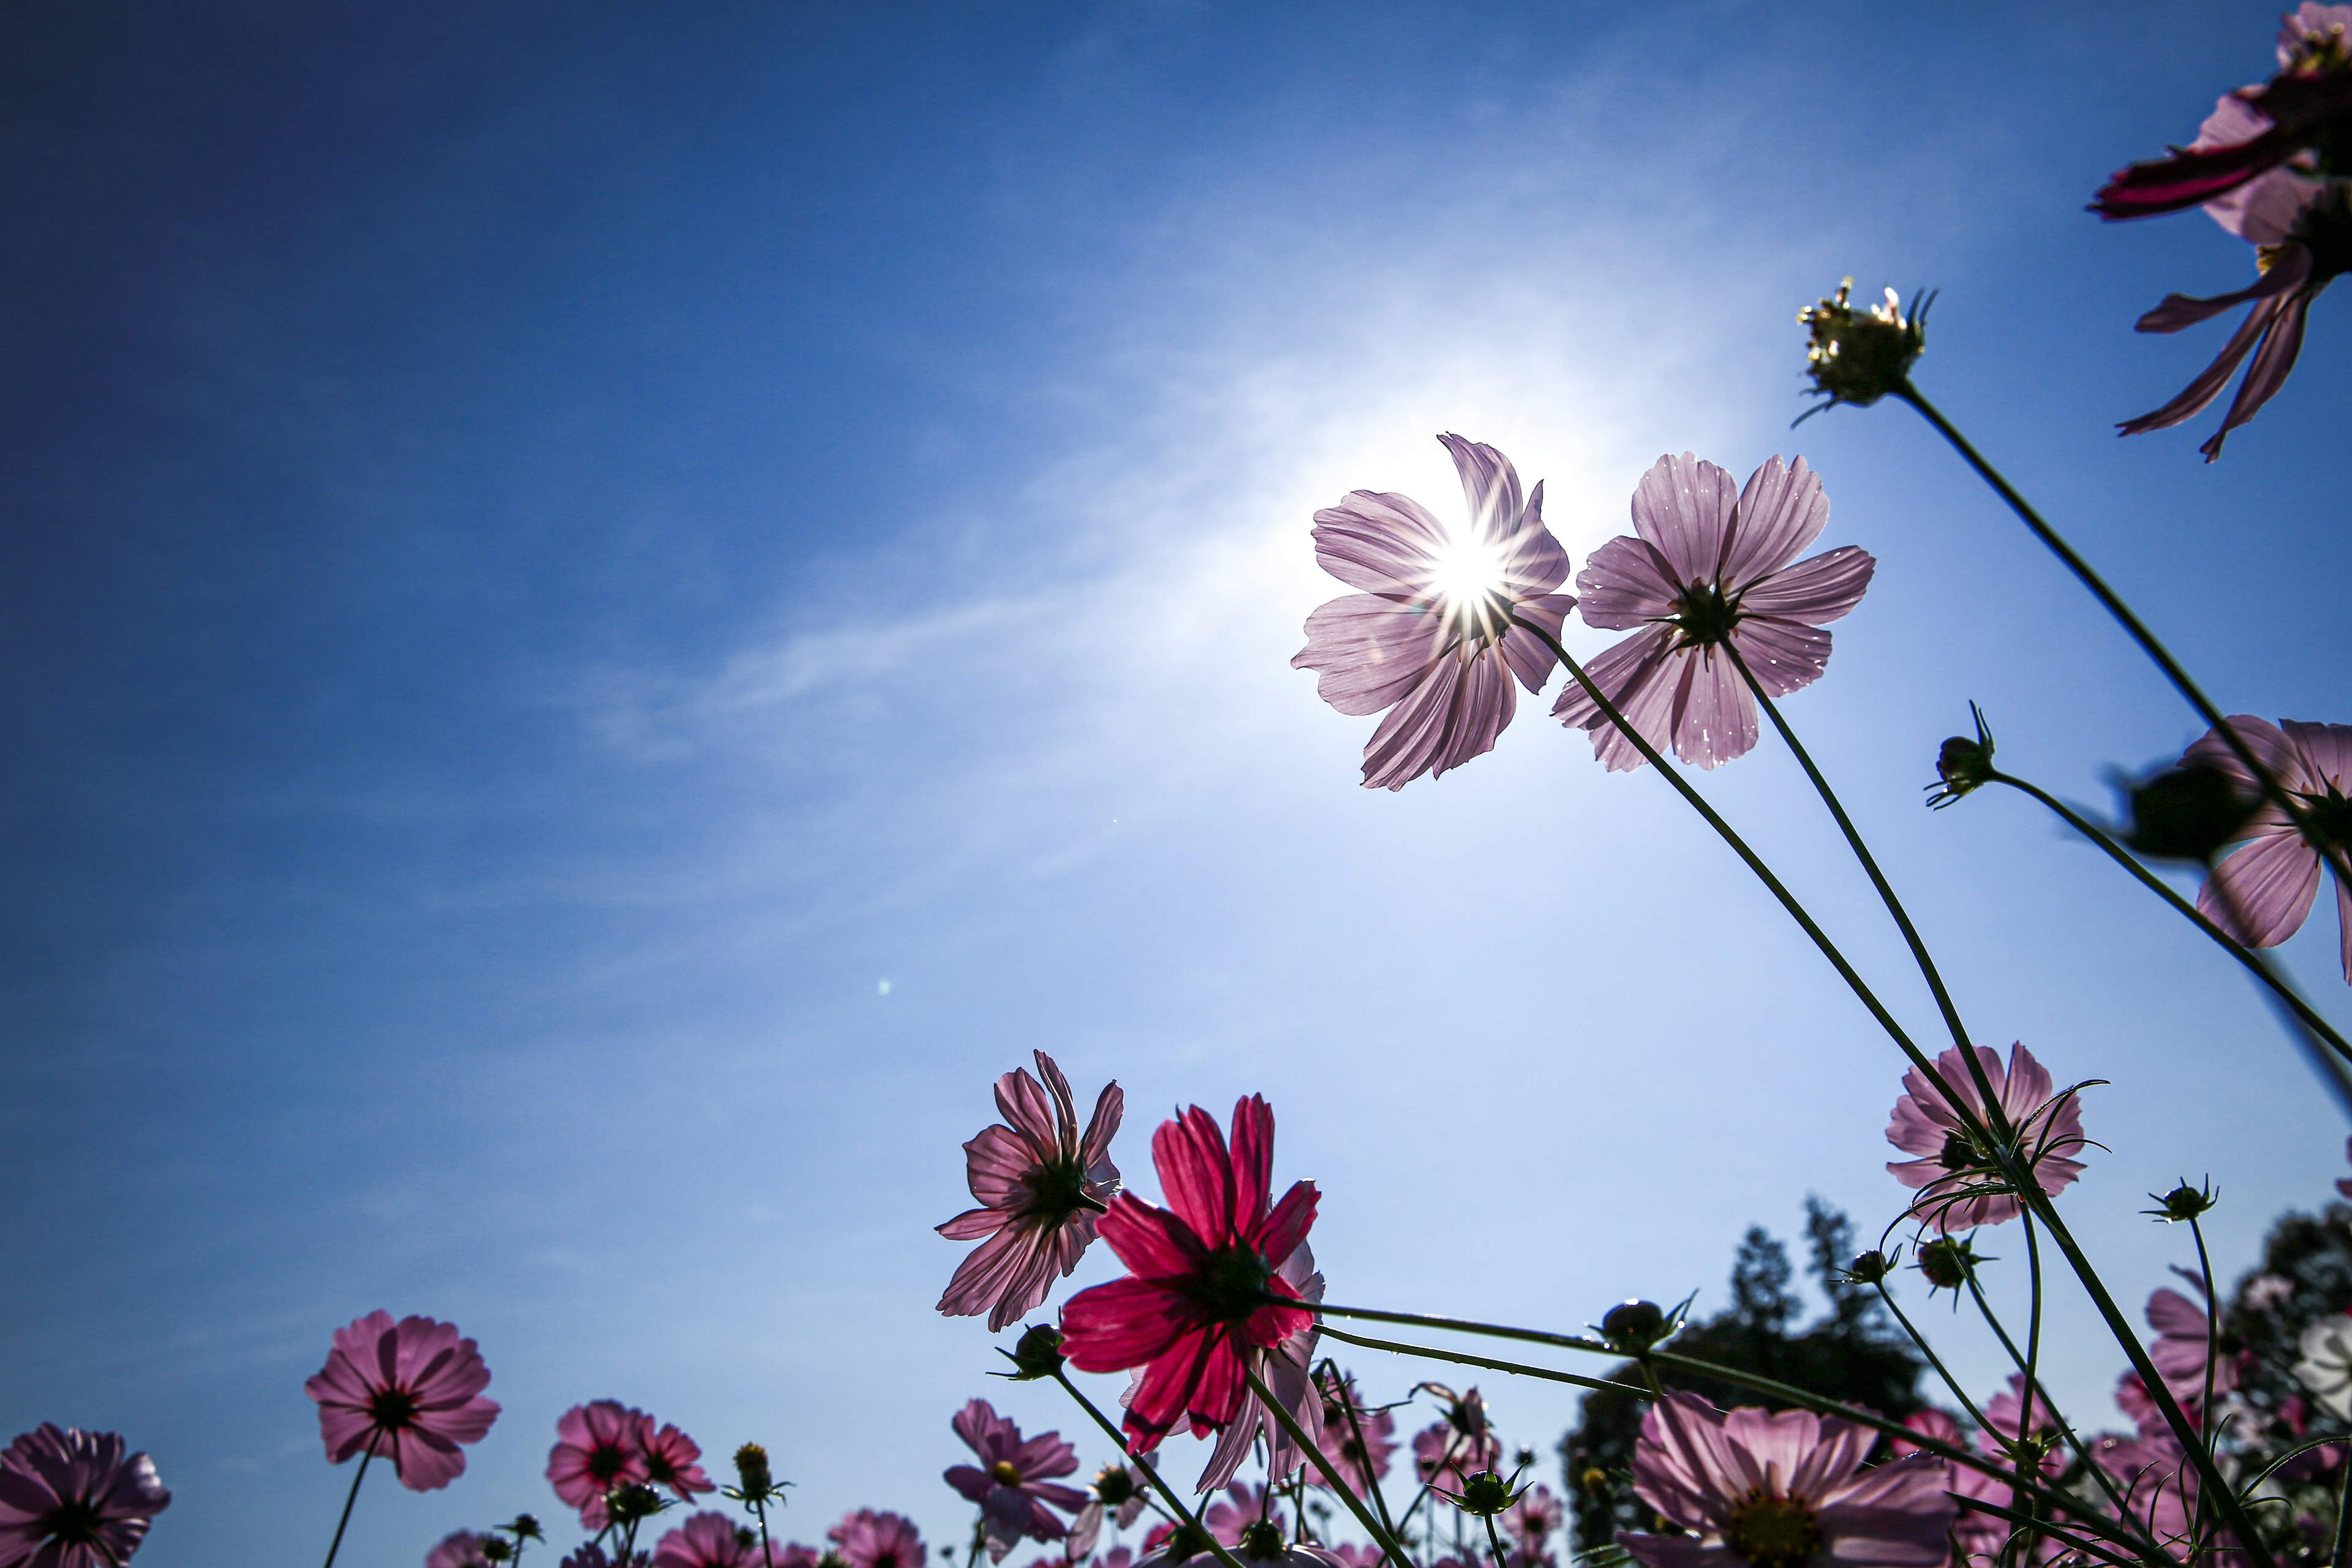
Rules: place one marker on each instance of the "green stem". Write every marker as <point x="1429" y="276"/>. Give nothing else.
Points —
<point x="1356" y="1428"/>
<point x="1935" y="1361"/>
<point x="2033" y="1390"/>
<point x="1453" y="1325"/>
<point x="2337" y="1557"/>
<point x="1488" y="1364"/>
<point x="2026" y="1522"/>
<point x="2212" y="1349"/>
<point x="1150" y="1473"/>
<point x="1502" y="1559"/>
<point x="353" y="1496"/>
<point x="1322" y="1461"/>
<point x="2033" y="1343"/>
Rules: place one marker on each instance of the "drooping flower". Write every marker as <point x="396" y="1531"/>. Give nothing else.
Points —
<point x="599" y="1447"/>
<point x="1459" y="1444"/>
<point x="706" y="1540"/>
<point x="1204" y="1287"/>
<point x="462" y="1549"/>
<point x="870" y="1540"/>
<point x="1706" y="575"/>
<point x="1284" y="1369"/>
<point x="409" y="1391"/>
<point x="70" y="1499"/>
<point x="1013" y="1481"/>
<point x="2299" y="118"/>
<point x="2325" y="1368"/>
<point x="2180" y="1349"/>
<point x="1959" y="1187"/>
<point x="1430" y="636"/>
<point x="670" y="1461"/>
<point x="1783" y="1491"/>
<point x="2261" y="893"/>
<point x="1357" y="1440"/>
<point x="1040" y="1185"/>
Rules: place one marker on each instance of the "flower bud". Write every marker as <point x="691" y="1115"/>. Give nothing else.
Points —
<point x="1261" y="1541"/>
<point x="1869" y="1268"/>
<point x="751" y="1472"/>
<point x="1485" y="1494"/>
<point x="1632" y="1327"/>
<point x="2182" y="1202"/>
<point x="1593" y="1480"/>
<point x="1114" y="1484"/>
<point x="1859" y="357"/>
<point x="1038" y="1353"/>
<point x="2186" y="813"/>
<point x="1962" y="764"/>
<point x="494" y="1548"/>
<point x="524" y="1528"/>
<point x="631" y="1503"/>
<point x="1948" y="1262"/>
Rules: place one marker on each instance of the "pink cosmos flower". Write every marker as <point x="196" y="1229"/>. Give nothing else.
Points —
<point x="591" y="1555"/>
<point x="70" y="1499"/>
<point x="1117" y="1557"/>
<point x="1531" y="1521"/>
<point x="869" y="1540"/>
<point x="1345" y="1420"/>
<point x="1242" y="1506"/>
<point x="1460" y="1443"/>
<point x="706" y="1540"/>
<point x="461" y="1549"/>
<point x="1706" y="574"/>
<point x="1785" y="1490"/>
<point x="1430" y="636"/>
<point x="2179" y="1349"/>
<point x="410" y="1390"/>
<point x="1040" y="1185"/>
<point x="2159" y="1484"/>
<point x="1284" y="1369"/>
<point x="2263" y="892"/>
<point x="670" y="1458"/>
<point x="2309" y="100"/>
<point x="599" y="1447"/>
<point x="1117" y="1494"/>
<point x="1013" y="1481"/>
<point x="1355" y="1554"/>
<point x="1959" y="1190"/>
<point x="1203" y="1288"/>
<point x="1977" y="1534"/>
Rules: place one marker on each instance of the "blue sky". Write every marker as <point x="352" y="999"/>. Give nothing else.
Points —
<point x="609" y="610"/>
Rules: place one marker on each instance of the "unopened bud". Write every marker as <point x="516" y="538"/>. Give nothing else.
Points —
<point x="1262" y="1540"/>
<point x="1632" y="1327"/>
<point x="1038" y="1353"/>
<point x="525" y="1528"/>
<point x="1868" y="1268"/>
<point x="1963" y="764"/>
<point x="495" y="1548"/>
<point x="1485" y="1494"/>
<point x="633" y="1501"/>
<point x="1114" y="1484"/>
<point x="2182" y="1202"/>
<point x="1948" y="1262"/>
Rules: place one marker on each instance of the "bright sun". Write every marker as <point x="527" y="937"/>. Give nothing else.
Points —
<point x="1467" y="570"/>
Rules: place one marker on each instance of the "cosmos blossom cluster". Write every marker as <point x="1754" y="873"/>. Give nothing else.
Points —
<point x="1673" y="649"/>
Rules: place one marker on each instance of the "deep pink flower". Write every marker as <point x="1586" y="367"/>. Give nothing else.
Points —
<point x="670" y="1456"/>
<point x="1014" y="1480"/>
<point x="1707" y="568"/>
<point x="2179" y="1349"/>
<point x="1284" y="1369"/>
<point x="1117" y="1557"/>
<point x="1430" y="638"/>
<point x="869" y="1540"/>
<point x="1202" y="1288"/>
<point x="1531" y="1521"/>
<point x="1040" y="1184"/>
<point x="1783" y="1491"/>
<point x="792" y="1554"/>
<point x="706" y="1540"/>
<point x="599" y="1447"/>
<point x="2263" y="892"/>
<point x="70" y="1499"/>
<point x="410" y="1390"/>
<point x="460" y="1549"/>
<point x="1958" y="1188"/>
<point x="1346" y="1420"/>
<point x="2309" y="100"/>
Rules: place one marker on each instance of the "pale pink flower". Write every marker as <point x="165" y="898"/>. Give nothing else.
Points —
<point x="1977" y="1534"/>
<point x="2159" y="1485"/>
<point x="411" y="1391"/>
<point x="1013" y="1481"/>
<point x="706" y="1540"/>
<point x="461" y="1549"/>
<point x="70" y="1499"/>
<point x="1430" y="637"/>
<point x="2179" y="1349"/>
<point x="1444" y="1456"/>
<point x="1531" y="1521"/>
<point x="1785" y="1490"/>
<point x="1346" y="1420"/>
<point x="869" y="1540"/>
<point x="1040" y="1184"/>
<point x="1284" y="1369"/>
<point x="1707" y="573"/>
<point x="1242" y="1506"/>
<point x="1358" y="1554"/>
<point x="1959" y="1189"/>
<point x="589" y="1554"/>
<point x="669" y="1456"/>
<point x="599" y="1447"/>
<point x="1204" y="1286"/>
<point x="2261" y="893"/>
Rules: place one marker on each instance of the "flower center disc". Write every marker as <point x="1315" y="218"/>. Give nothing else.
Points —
<point x="1004" y="1473"/>
<point x="1230" y="1284"/>
<point x="1773" y="1532"/>
<point x="393" y="1408"/>
<point x="73" y="1522"/>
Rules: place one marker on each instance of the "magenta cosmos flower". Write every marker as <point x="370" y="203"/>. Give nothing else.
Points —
<point x="1284" y="1370"/>
<point x="1040" y="1184"/>
<point x="1430" y="638"/>
<point x="1460" y="1443"/>
<point x="461" y="1549"/>
<point x="70" y="1499"/>
<point x="1959" y="1187"/>
<point x="599" y="1447"/>
<point x="1531" y="1521"/>
<point x="1785" y="1490"/>
<point x="591" y="1555"/>
<point x="1013" y="1481"/>
<point x="869" y="1540"/>
<point x="1977" y="1534"/>
<point x="2263" y="891"/>
<point x="1204" y="1288"/>
<point x="670" y="1459"/>
<point x="1707" y="573"/>
<point x="410" y="1390"/>
<point x="706" y="1540"/>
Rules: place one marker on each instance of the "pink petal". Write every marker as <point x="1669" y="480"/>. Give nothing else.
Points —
<point x="2261" y="893"/>
<point x="1379" y="542"/>
<point x="1526" y="655"/>
<point x="1816" y="591"/>
<point x="1455" y="714"/>
<point x="1285" y="1230"/>
<point x="1196" y="1174"/>
<point x="1784" y="656"/>
<point x="2273" y="363"/>
<point x="1636" y="676"/>
<point x="1491" y="487"/>
<point x="1715" y="715"/>
<point x="1780" y="512"/>
<point x="1152" y="1242"/>
<point x="1368" y="651"/>
<point x="2179" y="311"/>
<point x="1684" y="505"/>
<point x="1627" y="582"/>
<point x="1124" y="1323"/>
<point x="1253" y="1157"/>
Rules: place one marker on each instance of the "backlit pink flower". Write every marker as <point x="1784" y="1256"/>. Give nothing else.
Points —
<point x="869" y="1540"/>
<point x="1785" y="1490"/>
<point x="2261" y="893"/>
<point x="70" y="1499"/>
<point x="2180" y="1346"/>
<point x="1284" y="1369"/>
<point x="591" y="1555"/>
<point x="1354" y="1554"/>
<point x="1531" y="1521"/>
<point x="706" y="1540"/>
<point x="1242" y="1506"/>
<point x="1959" y="1188"/>
<point x="411" y="1391"/>
<point x="670" y="1456"/>
<point x="1430" y="638"/>
<point x="1357" y="1440"/>
<point x="2159" y="1484"/>
<point x="1014" y="1480"/>
<point x="1040" y="1185"/>
<point x="599" y="1446"/>
<point x="1704" y="573"/>
<point x="461" y="1549"/>
<point x="1460" y="1443"/>
<point x="1117" y="1494"/>
<point x="1202" y="1288"/>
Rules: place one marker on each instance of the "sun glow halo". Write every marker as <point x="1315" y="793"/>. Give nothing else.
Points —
<point x="1467" y="572"/>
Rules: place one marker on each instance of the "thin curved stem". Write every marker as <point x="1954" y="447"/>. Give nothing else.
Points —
<point x="1488" y="1364"/>
<point x="1356" y="1430"/>
<point x="1453" y="1325"/>
<point x="1935" y="1361"/>
<point x="1313" y="1451"/>
<point x="2033" y="1392"/>
<point x="1150" y="1473"/>
<point x="352" y="1497"/>
<point x="2212" y="1350"/>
